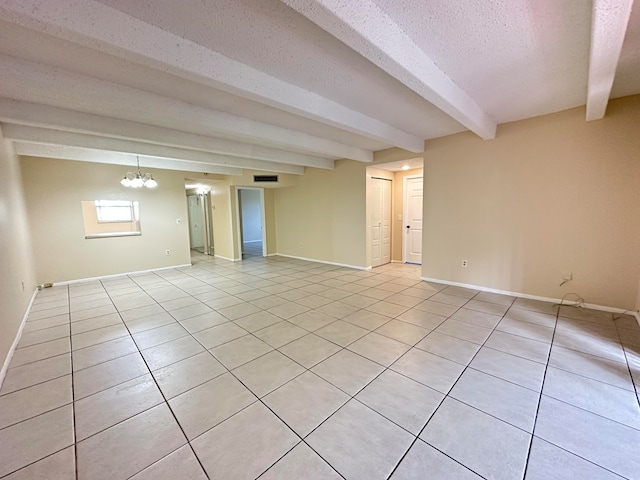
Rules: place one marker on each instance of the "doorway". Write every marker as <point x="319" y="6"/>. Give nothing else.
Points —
<point x="380" y="199"/>
<point x="200" y="231"/>
<point x="251" y="220"/>
<point x="412" y="215"/>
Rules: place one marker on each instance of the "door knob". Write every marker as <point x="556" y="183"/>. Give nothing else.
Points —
<point x="408" y="226"/>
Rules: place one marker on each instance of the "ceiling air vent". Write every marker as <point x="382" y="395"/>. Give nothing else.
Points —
<point x="265" y="178"/>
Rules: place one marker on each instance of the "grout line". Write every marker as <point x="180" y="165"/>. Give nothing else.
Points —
<point x="166" y="402"/>
<point x="73" y="396"/>
<point x="544" y="377"/>
<point x="446" y="395"/>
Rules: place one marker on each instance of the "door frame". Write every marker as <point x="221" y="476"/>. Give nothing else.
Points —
<point x="404" y="213"/>
<point x="263" y="218"/>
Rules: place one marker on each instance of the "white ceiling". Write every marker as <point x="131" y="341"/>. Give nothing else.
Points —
<point x="277" y="85"/>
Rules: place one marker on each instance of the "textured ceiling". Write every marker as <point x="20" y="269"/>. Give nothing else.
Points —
<point x="283" y="84"/>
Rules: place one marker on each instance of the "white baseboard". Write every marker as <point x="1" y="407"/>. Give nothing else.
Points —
<point x="115" y="275"/>
<point x="7" y="360"/>
<point x="324" y="261"/>
<point x="225" y="258"/>
<point x="526" y="295"/>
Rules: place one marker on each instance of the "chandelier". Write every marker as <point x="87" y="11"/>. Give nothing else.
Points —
<point x="138" y="179"/>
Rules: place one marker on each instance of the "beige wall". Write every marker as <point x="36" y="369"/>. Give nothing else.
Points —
<point x="54" y="190"/>
<point x="324" y="216"/>
<point x="549" y="195"/>
<point x="397" y="229"/>
<point x="17" y="273"/>
<point x="270" y="220"/>
<point x="221" y="221"/>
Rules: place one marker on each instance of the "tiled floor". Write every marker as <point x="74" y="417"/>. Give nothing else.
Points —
<point x="284" y="369"/>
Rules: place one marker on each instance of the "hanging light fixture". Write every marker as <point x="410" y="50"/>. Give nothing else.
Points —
<point x="138" y="179"/>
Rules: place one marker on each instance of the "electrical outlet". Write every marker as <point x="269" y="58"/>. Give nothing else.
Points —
<point x="167" y="252"/>
<point x="464" y="263"/>
<point x="300" y="245"/>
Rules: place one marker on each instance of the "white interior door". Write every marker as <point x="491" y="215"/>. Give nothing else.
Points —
<point x="412" y="245"/>
<point x="380" y="207"/>
<point x="196" y="222"/>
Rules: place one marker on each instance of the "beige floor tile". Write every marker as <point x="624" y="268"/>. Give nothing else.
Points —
<point x="103" y="410"/>
<point x="30" y="402"/>
<point x="34" y="353"/>
<point x="422" y="319"/>
<point x="360" y="443"/>
<point x="510" y="403"/>
<point x="266" y="373"/>
<point x="312" y="320"/>
<point x="179" y="464"/>
<point x="581" y="432"/>
<point x="92" y="313"/>
<point x="310" y="350"/>
<point x="422" y="457"/>
<point x="474" y="317"/>
<point x="520" y="346"/>
<point x="46" y="323"/>
<point x="212" y="337"/>
<point x="205" y="406"/>
<point x="341" y="333"/>
<point x="405" y="402"/>
<point x="148" y="323"/>
<point x="87" y="357"/>
<point x="29" y="441"/>
<point x="171" y="352"/>
<point x="42" y="336"/>
<point x="240" y="351"/>
<point x="160" y="335"/>
<point x="514" y="369"/>
<point x="366" y="319"/>
<point x="305" y="402"/>
<point x="59" y="466"/>
<point x="402" y="332"/>
<point x="181" y="376"/>
<point x="36" y="372"/>
<point x="451" y="348"/>
<point x="95" y="323"/>
<point x="348" y="371"/>
<point x="245" y="445"/>
<point x="430" y="370"/>
<point x="501" y="454"/>
<point x="280" y="334"/>
<point x="380" y="349"/>
<point x="301" y="462"/>
<point x="137" y="443"/>
<point x="101" y="335"/>
<point x="203" y="321"/>
<point x="105" y="375"/>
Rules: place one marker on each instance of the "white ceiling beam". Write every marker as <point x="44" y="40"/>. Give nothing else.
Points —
<point x="45" y="136"/>
<point x="32" y="82"/>
<point x="93" y="24"/>
<point x="609" y="22"/>
<point x="31" y="114"/>
<point x="116" y="158"/>
<point x="366" y="28"/>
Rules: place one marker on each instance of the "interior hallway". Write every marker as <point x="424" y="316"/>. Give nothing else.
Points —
<point x="279" y="368"/>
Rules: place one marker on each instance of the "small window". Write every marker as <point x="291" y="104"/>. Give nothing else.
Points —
<point x="110" y="211"/>
<point x="110" y="218"/>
